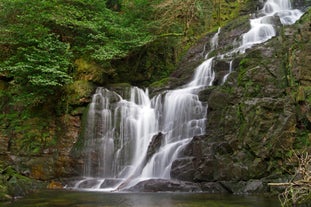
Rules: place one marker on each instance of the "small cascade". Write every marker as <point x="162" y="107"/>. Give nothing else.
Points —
<point x="203" y="75"/>
<point x="182" y="116"/>
<point x="262" y="28"/>
<point x="213" y="43"/>
<point x="230" y="70"/>
<point x="134" y="138"/>
<point x="214" y="40"/>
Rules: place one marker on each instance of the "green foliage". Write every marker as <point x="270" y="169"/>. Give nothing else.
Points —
<point x="39" y="69"/>
<point x="41" y="39"/>
<point x="302" y="139"/>
<point x="28" y="132"/>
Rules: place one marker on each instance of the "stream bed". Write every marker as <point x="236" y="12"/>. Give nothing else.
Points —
<point x="102" y="199"/>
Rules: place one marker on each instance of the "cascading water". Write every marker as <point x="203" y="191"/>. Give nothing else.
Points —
<point x="262" y="28"/>
<point x="182" y="116"/>
<point x="120" y="131"/>
<point x="230" y="71"/>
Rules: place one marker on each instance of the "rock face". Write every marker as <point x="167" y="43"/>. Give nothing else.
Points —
<point x="257" y="117"/>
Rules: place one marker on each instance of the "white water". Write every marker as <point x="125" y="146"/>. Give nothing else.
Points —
<point x="213" y="43"/>
<point x="262" y="28"/>
<point x="119" y="130"/>
<point x="229" y="72"/>
<point x="119" y="135"/>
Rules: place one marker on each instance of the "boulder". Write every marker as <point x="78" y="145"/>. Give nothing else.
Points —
<point x="162" y="185"/>
<point x="245" y="187"/>
<point x="154" y="145"/>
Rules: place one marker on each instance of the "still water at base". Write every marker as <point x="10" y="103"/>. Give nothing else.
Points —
<point x="94" y="199"/>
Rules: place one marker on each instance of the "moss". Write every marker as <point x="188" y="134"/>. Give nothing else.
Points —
<point x="160" y="83"/>
<point x="91" y="71"/>
<point x="79" y="92"/>
<point x="14" y="184"/>
<point x="119" y="85"/>
<point x="302" y="140"/>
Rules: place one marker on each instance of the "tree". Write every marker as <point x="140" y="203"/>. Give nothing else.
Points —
<point x="38" y="70"/>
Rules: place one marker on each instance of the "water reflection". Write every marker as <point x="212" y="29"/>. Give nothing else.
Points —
<point x="91" y="199"/>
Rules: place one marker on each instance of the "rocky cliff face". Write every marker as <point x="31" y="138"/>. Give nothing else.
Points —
<point x="257" y="117"/>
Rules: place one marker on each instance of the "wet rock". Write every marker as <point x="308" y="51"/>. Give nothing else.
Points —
<point x="108" y="183"/>
<point x="55" y="185"/>
<point x="89" y="183"/>
<point x="214" y="187"/>
<point x="154" y="145"/>
<point x="206" y="171"/>
<point x="230" y="34"/>
<point x="194" y="148"/>
<point x="245" y="187"/>
<point x="184" y="168"/>
<point x="218" y="100"/>
<point x="161" y="185"/>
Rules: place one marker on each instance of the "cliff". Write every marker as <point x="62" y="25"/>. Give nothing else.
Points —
<point x="257" y="118"/>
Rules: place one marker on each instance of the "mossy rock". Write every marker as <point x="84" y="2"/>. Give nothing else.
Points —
<point x="79" y="92"/>
<point x="15" y="185"/>
<point x="161" y="83"/>
<point x="119" y="85"/>
<point x="91" y="71"/>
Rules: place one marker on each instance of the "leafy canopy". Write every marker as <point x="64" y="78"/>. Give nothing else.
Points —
<point x="39" y="40"/>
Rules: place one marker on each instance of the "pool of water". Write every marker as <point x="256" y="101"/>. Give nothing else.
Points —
<point x="100" y="199"/>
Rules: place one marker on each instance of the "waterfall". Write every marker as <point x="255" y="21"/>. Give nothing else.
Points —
<point x="134" y="138"/>
<point x="182" y="116"/>
<point x="98" y="131"/>
<point x="119" y="132"/>
<point x="262" y="28"/>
